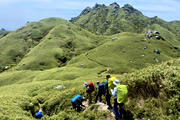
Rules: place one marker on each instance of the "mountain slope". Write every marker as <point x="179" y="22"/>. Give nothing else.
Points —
<point x="59" y="46"/>
<point x="112" y="19"/>
<point x="127" y="52"/>
<point x="18" y="43"/>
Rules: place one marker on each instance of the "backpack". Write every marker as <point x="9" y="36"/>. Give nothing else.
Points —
<point x="75" y="99"/>
<point x="110" y="84"/>
<point x="91" y="86"/>
<point x="101" y="88"/>
<point x="122" y="93"/>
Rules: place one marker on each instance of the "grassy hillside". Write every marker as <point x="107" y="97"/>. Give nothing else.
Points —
<point x="18" y="43"/>
<point x="176" y="24"/>
<point x="61" y="44"/>
<point x="156" y="87"/>
<point x="128" y="52"/>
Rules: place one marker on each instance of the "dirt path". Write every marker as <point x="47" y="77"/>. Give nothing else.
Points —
<point x="102" y="107"/>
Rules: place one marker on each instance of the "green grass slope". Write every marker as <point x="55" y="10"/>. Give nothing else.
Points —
<point x="155" y="87"/>
<point x="127" y="52"/>
<point x="18" y="43"/>
<point x="176" y="24"/>
<point x="61" y="44"/>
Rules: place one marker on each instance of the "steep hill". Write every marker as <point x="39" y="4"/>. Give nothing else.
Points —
<point x="61" y="44"/>
<point x="113" y="19"/>
<point x="176" y="24"/>
<point x="17" y="44"/>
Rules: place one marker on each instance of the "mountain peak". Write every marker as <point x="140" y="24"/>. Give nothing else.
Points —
<point x="129" y="9"/>
<point x="115" y="5"/>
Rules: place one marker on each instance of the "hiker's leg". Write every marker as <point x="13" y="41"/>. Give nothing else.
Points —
<point x="96" y="98"/>
<point x="100" y="97"/>
<point x="121" y="111"/>
<point x="89" y="98"/>
<point x="116" y="108"/>
<point x="108" y="98"/>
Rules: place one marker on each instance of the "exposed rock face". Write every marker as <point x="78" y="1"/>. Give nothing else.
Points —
<point x="158" y="37"/>
<point x="86" y="10"/>
<point x="115" y="5"/>
<point x="129" y="9"/>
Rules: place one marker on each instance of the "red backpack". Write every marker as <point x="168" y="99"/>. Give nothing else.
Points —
<point x="91" y="86"/>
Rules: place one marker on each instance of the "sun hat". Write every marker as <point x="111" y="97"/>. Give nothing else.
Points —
<point x="116" y="82"/>
<point x="85" y="84"/>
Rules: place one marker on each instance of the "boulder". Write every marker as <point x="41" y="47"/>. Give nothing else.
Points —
<point x="156" y="32"/>
<point x="60" y="86"/>
<point x="157" y="51"/>
<point x="158" y="37"/>
<point x="145" y="47"/>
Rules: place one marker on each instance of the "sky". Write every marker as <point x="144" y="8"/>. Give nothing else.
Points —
<point x="16" y="13"/>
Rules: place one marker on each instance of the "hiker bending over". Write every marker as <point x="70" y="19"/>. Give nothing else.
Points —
<point x="106" y="91"/>
<point x="89" y="90"/>
<point x="120" y="97"/>
<point x="100" y="91"/>
<point x="39" y="114"/>
<point x="77" y="103"/>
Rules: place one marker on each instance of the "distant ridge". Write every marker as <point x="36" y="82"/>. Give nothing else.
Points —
<point x="113" y="19"/>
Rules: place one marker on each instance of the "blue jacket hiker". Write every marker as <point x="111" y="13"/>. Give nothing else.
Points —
<point x="77" y="103"/>
<point x="108" y="96"/>
<point x="100" y="91"/>
<point x="39" y="115"/>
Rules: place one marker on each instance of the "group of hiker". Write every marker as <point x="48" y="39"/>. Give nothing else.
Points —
<point x="111" y="87"/>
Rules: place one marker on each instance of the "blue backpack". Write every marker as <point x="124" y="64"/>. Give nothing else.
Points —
<point x="39" y="115"/>
<point x="101" y="88"/>
<point x="75" y="99"/>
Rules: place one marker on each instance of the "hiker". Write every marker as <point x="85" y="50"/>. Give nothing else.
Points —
<point x="120" y="97"/>
<point x="89" y="90"/>
<point x="39" y="114"/>
<point x="100" y="91"/>
<point x="77" y="103"/>
<point x="106" y="91"/>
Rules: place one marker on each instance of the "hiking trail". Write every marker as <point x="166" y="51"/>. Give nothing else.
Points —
<point x="102" y="107"/>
